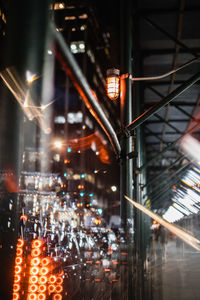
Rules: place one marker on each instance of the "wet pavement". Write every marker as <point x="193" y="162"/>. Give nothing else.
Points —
<point x="178" y="275"/>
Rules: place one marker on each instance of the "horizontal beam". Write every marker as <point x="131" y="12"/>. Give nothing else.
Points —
<point x="147" y="114"/>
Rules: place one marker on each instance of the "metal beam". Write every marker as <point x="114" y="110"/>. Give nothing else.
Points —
<point x="178" y="160"/>
<point x="129" y="130"/>
<point x="73" y="70"/>
<point x="171" y="37"/>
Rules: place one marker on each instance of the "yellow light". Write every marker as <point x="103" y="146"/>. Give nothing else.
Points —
<point x="35" y="261"/>
<point x="112" y="82"/>
<point x="19" y="251"/>
<point x="35" y="252"/>
<point x="33" y="288"/>
<point x="45" y="261"/>
<point x="57" y="297"/>
<point x="30" y="77"/>
<point x="42" y="280"/>
<point x="58" y="144"/>
<point x="33" y="279"/>
<point x="15" y="296"/>
<point x="16" y="278"/>
<point x="52" y="279"/>
<point x="41" y="297"/>
<point x="16" y="287"/>
<point x="18" y="269"/>
<point x="59" y="289"/>
<point x="20" y="243"/>
<point x="44" y="271"/>
<point x="42" y="288"/>
<point x="32" y="296"/>
<point x="36" y="244"/>
<point x="51" y="288"/>
<point x="34" y="270"/>
<point x="59" y="280"/>
<point x="18" y="260"/>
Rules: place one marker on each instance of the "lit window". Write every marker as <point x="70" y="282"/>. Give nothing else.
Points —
<point x="77" y="47"/>
<point x="59" y="120"/>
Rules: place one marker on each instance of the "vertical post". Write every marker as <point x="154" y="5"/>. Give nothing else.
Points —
<point x="19" y="53"/>
<point x="126" y="166"/>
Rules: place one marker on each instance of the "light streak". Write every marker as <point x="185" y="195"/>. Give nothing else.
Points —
<point x="186" y="237"/>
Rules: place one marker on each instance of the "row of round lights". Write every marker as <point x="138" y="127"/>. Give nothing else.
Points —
<point x="37" y="273"/>
<point x="18" y="269"/>
<point x="40" y="282"/>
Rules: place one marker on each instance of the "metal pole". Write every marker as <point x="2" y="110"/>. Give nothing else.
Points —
<point x="129" y="130"/>
<point x="126" y="165"/>
<point x="72" y="68"/>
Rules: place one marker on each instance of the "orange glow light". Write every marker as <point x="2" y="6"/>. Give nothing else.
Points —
<point x="51" y="288"/>
<point x="59" y="280"/>
<point x="59" y="289"/>
<point x="15" y="296"/>
<point x="35" y="261"/>
<point x="20" y="243"/>
<point x="36" y="244"/>
<point x="52" y="279"/>
<point x="18" y="260"/>
<point x="32" y="296"/>
<point x="35" y="252"/>
<point x="33" y="279"/>
<point x="17" y="278"/>
<point x="44" y="271"/>
<point x="57" y="297"/>
<point x="112" y="82"/>
<point x="33" y="288"/>
<point x="16" y="287"/>
<point x="34" y="270"/>
<point x="19" y="252"/>
<point x="41" y="297"/>
<point x="42" y="280"/>
<point x="42" y="288"/>
<point x="45" y="261"/>
<point x="18" y="269"/>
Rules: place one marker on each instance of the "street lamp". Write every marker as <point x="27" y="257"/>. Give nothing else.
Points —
<point x="112" y="82"/>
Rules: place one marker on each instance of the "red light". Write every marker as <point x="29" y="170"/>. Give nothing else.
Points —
<point x="52" y="279"/>
<point x="16" y="287"/>
<point x="44" y="270"/>
<point x="42" y="288"/>
<point x="59" y="280"/>
<point x="15" y="296"/>
<point x="18" y="260"/>
<point x="33" y="288"/>
<point x="20" y="243"/>
<point x="59" y="289"/>
<point x="88" y="262"/>
<point x="34" y="270"/>
<point x="17" y="278"/>
<point x="36" y="244"/>
<point x="18" y="269"/>
<point x="57" y="297"/>
<point x="35" y="261"/>
<point x="33" y="279"/>
<point x="41" y="297"/>
<point x="35" y="252"/>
